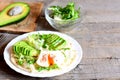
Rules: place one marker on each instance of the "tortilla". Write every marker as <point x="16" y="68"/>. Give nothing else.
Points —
<point x="71" y="55"/>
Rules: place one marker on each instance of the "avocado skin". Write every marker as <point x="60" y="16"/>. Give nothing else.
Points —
<point x="5" y="19"/>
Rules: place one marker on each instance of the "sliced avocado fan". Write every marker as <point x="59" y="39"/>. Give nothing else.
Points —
<point x="14" y="12"/>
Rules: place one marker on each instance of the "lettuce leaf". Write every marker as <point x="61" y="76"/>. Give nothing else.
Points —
<point x="35" y="40"/>
<point x="66" y="13"/>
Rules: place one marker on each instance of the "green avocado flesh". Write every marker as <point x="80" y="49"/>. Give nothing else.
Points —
<point x="24" y="48"/>
<point x="55" y="42"/>
<point x="6" y="19"/>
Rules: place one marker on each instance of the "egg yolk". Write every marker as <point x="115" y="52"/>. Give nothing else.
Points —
<point x="50" y="60"/>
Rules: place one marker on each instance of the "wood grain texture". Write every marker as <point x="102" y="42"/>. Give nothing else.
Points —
<point x="101" y="58"/>
<point x="99" y="37"/>
<point x="26" y="25"/>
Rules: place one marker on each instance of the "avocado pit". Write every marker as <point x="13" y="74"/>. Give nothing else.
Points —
<point x="15" y="11"/>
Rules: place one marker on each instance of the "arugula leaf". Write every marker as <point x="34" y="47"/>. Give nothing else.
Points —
<point x="40" y="68"/>
<point x="65" y="13"/>
<point x="25" y="59"/>
<point x="30" y="60"/>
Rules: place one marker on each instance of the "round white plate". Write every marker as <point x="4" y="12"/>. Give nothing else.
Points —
<point x="77" y="60"/>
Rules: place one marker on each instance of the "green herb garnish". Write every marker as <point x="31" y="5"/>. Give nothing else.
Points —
<point x="65" y="13"/>
<point x="52" y="67"/>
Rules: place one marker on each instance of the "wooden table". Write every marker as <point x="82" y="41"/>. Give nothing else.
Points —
<point x="99" y="36"/>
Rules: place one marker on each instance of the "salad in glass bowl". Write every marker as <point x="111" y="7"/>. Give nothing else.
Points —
<point x="62" y="16"/>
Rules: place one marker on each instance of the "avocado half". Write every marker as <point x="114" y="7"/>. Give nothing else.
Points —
<point x="6" y="19"/>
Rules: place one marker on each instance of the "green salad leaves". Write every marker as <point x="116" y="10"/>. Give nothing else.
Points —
<point x="40" y="68"/>
<point x="65" y="13"/>
<point x="49" y="41"/>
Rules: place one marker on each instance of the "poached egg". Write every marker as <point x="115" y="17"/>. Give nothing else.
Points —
<point x="47" y="58"/>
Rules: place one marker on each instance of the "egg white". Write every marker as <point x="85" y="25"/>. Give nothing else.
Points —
<point x="58" y="58"/>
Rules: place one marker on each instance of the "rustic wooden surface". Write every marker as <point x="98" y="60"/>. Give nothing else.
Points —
<point x="99" y="36"/>
<point x="26" y="25"/>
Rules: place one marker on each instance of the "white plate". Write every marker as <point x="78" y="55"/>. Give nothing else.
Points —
<point x="47" y="74"/>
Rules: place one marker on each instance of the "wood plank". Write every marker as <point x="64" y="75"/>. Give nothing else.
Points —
<point x="100" y="43"/>
<point x="26" y="25"/>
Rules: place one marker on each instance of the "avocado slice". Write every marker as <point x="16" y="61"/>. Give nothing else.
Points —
<point x="6" y="18"/>
<point x="55" y="42"/>
<point x="25" y="49"/>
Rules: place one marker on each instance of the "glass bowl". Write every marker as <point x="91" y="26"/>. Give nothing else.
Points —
<point x="63" y="25"/>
